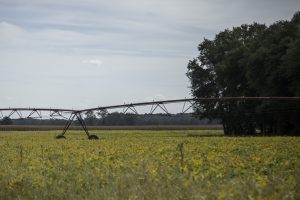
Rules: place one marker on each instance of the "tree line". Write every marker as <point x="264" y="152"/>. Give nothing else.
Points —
<point x="250" y="60"/>
<point x="119" y="119"/>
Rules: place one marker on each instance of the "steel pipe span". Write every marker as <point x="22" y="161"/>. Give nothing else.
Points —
<point x="58" y="112"/>
<point x="39" y="109"/>
<point x="193" y="100"/>
<point x="155" y="102"/>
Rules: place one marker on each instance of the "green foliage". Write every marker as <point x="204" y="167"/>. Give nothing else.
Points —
<point x="147" y="165"/>
<point x="250" y="60"/>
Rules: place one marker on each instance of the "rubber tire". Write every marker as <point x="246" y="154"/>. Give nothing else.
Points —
<point x="93" y="137"/>
<point x="60" y="136"/>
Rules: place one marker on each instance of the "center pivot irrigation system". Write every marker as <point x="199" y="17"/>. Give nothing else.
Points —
<point x="71" y="114"/>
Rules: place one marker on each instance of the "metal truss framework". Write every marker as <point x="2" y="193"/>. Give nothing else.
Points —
<point x="188" y="104"/>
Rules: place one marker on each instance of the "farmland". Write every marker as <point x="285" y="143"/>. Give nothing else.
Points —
<point x="146" y="164"/>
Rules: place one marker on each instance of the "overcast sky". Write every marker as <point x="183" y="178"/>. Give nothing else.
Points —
<point x="87" y="53"/>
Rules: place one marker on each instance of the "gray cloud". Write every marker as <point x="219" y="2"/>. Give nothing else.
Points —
<point x="143" y="47"/>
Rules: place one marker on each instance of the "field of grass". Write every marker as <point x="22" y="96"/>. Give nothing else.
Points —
<point x="148" y="165"/>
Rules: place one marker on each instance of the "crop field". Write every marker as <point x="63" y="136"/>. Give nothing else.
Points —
<point x="136" y="164"/>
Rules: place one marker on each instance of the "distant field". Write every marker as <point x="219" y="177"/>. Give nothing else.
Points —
<point x="150" y="127"/>
<point x="145" y="164"/>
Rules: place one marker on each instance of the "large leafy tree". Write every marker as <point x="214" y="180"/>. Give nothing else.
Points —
<point x="250" y="60"/>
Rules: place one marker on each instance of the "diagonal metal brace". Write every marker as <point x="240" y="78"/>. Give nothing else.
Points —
<point x="163" y="107"/>
<point x="56" y="113"/>
<point x="69" y="122"/>
<point x="132" y="108"/>
<point x="153" y="108"/>
<point x="184" y="110"/>
<point x="16" y="111"/>
<point x="35" y="111"/>
<point x="82" y="123"/>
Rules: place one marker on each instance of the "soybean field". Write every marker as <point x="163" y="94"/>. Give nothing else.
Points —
<point x="147" y="164"/>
